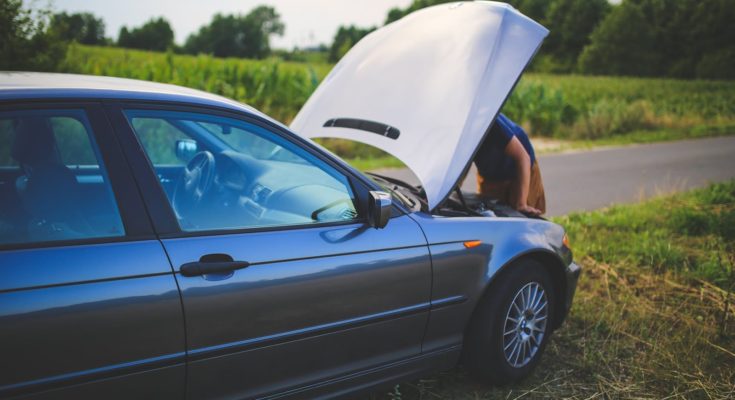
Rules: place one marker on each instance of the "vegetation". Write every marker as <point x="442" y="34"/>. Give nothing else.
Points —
<point x="587" y="110"/>
<point x="82" y="28"/>
<point x="346" y="37"/>
<point x="275" y="87"/>
<point x="237" y="35"/>
<point x="26" y="43"/>
<point x="156" y="35"/>
<point x="680" y="39"/>
<point x="581" y="107"/>
<point x="653" y="315"/>
<point x="684" y="39"/>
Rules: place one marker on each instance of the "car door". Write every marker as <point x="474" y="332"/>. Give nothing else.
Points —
<point x="89" y="306"/>
<point x="309" y="292"/>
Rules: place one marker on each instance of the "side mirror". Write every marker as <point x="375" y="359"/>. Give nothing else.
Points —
<point x="186" y="149"/>
<point x="379" y="207"/>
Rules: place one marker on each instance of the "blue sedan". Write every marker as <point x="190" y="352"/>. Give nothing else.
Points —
<point x="161" y="242"/>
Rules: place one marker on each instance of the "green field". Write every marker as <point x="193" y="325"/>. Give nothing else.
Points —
<point x="654" y="313"/>
<point x="275" y="87"/>
<point x="583" y="110"/>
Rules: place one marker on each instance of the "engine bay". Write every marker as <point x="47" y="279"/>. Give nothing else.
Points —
<point x="458" y="204"/>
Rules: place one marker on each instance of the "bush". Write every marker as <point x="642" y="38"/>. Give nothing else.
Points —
<point x="610" y="117"/>
<point x="717" y="65"/>
<point x="26" y="42"/>
<point x="691" y="221"/>
<point x="539" y="108"/>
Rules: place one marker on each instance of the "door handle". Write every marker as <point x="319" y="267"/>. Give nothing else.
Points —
<point x="212" y="264"/>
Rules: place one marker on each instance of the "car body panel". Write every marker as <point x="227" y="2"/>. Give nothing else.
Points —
<point x="53" y="266"/>
<point x="331" y="300"/>
<point x="468" y="272"/>
<point x="37" y="85"/>
<point x="106" y="324"/>
<point x="426" y="88"/>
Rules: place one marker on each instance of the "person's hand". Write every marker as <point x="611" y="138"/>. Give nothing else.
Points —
<point x="526" y="209"/>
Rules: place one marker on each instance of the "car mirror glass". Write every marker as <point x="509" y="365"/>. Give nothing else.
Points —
<point x="186" y="149"/>
<point x="379" y="209"/>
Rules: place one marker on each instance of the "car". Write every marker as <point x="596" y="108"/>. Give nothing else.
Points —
<point x="161" y="242"/>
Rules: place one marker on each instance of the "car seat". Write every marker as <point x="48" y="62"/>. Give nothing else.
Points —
<point x="48" y="190"/>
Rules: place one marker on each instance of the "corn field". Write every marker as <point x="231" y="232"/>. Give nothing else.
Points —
<point x="562" y="106"/>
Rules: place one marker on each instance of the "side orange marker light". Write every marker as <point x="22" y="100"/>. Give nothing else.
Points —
<point x="472" y="243"/>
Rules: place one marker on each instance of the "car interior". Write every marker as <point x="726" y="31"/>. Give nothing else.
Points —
<point x="220" y="174"/>
<point x="44" y="197"/>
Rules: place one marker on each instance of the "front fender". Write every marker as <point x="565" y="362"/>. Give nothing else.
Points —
<point x="464" y="274"/>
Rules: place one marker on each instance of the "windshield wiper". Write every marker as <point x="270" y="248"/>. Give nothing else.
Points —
<point x="393" y="186"/>
<point x="405" y="199"/>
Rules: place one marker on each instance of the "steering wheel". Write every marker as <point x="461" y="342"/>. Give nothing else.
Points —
<point x="194" y="183"/>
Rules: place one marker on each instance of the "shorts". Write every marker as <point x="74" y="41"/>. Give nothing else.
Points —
<point x="503" y="190"/>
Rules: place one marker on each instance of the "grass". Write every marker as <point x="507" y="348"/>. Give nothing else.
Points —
<point x="579" y="111"/>
<point x="654" y="314"/>
<point x="589" y="107"/>
<point x="634" y="137"/>
<point x="278" y="88"/>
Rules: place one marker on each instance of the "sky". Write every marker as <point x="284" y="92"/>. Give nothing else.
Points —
<point x="308" y="22"/>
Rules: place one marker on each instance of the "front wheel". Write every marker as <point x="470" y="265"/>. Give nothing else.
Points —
<point x="511" y="325"/>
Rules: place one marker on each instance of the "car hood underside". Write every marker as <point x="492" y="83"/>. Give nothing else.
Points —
<point x="426" y="88"/>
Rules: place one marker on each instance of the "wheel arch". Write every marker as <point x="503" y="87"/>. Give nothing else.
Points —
<point x="554" y="265"/>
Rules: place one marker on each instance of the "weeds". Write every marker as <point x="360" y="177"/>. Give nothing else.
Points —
<point x="653" y="316"/>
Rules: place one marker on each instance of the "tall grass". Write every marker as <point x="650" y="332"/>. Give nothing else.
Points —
<point x="584" y="107"/>
<point x="275" y="87"/>
<point x="561" y="106"/>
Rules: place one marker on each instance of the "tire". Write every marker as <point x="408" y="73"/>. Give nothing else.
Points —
<point x="499" y="350"/>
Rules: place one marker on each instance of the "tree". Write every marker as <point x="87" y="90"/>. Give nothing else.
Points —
<point x="707" y="49"/>
<point x="82" y="28"/>
<point x="348" y="36"/>
<point x="156" y="35"/>
<point x="570" y="23"/>
<point x="237" y="35"/>
<point x="397" y="13"/>
<point x="683" y="39"/>
<point x="534" y="9"/>
<point x="345" y="38"/>
<point x="623" y="44"/>
<point x="26" y="43"/>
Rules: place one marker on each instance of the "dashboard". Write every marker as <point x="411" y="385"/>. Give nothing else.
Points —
<point x="250" y="192"/>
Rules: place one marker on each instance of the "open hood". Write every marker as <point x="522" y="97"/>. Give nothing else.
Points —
<point x="426" y="88"/>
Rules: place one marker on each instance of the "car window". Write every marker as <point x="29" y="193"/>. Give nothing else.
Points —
<point x="72" y="140"/>
<point x="53" y="184"/>
<point x="236" y="175"/>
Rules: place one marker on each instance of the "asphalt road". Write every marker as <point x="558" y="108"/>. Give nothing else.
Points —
<point x="598" y="178"/>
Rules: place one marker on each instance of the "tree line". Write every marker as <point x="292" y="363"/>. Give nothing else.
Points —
<point x="36" y="39"/>
<point x="669" y="38"/>
<point x="666" y="38"/>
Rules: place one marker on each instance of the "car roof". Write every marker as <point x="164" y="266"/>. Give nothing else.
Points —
<point x="41" y="85"/>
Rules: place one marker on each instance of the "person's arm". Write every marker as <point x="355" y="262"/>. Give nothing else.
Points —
<point x="517" y="152"/>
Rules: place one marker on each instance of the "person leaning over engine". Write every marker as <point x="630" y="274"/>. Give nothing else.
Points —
<point x="508" y="170"/>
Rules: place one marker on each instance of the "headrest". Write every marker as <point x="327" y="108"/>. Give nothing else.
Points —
<point x="34" y="141"/>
